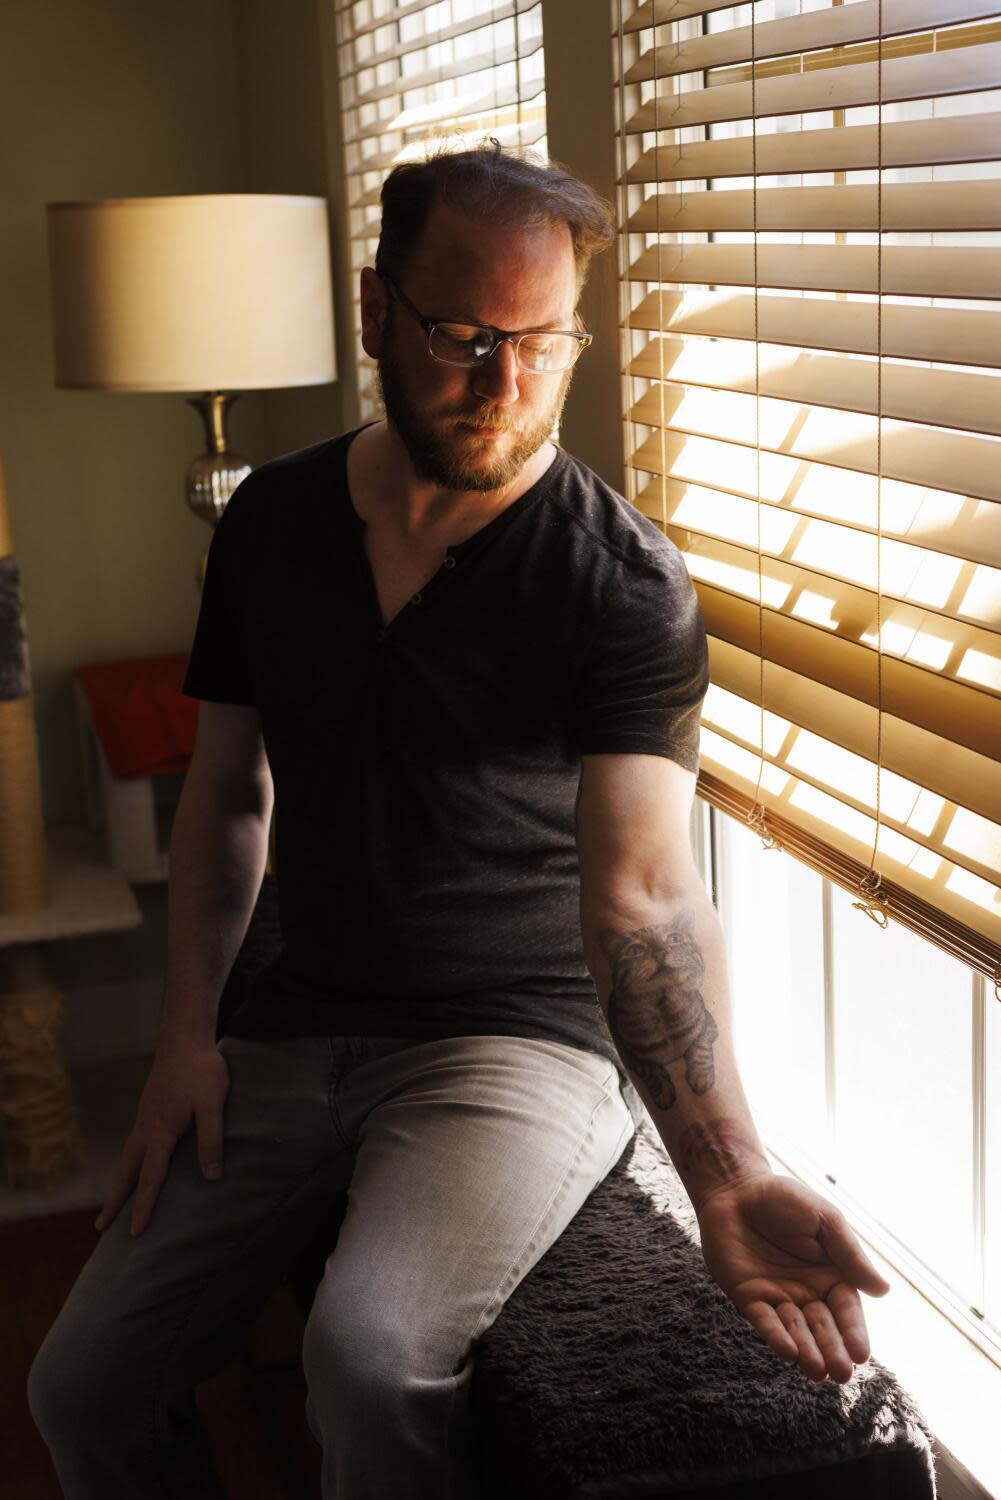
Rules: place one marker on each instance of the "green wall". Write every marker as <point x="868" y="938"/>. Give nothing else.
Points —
<point x="123" y="98"/>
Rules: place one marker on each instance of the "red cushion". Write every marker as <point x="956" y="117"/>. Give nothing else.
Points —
<point x="145" y="724"/>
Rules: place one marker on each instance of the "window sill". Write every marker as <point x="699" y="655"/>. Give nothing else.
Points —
<point x="955" y="1382"/>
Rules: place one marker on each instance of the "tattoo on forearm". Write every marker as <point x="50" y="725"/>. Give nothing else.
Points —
<point x="656" y="1012"/>
<point x="718" y="1148"/>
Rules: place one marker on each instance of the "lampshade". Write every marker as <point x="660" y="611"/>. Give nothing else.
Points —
<point x="206" y="292"/>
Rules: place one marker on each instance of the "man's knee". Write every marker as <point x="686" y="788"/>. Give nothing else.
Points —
<point x="62" y="1391"/>
<point x="83" y="1377"/>
<point x="369" y="1348"/>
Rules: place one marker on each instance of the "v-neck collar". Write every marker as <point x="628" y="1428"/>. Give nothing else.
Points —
<point x="460" y="551"/>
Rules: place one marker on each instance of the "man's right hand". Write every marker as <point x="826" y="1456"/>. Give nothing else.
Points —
<point x="186" y="1082"/>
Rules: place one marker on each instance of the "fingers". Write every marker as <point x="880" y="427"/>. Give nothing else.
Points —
<point x="808" y="1355"/>
<point x="847" y="1254"/>
<point x="825" y="1339"/>
<point x="128" y="1171"/>
<point x="846" y="1307"/>
<point x="771" y="1328"/>
<point x="837" y="1362"/>
<point x="149" y="1163"/>
<point x="151" y="1177"/>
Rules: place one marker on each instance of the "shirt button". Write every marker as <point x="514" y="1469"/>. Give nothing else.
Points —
<point x="380" y="635"/>
<point x="417" y="598"/>
<point x="449" y="562"/>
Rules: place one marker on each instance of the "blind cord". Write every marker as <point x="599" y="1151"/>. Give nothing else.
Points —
<point x="757" y="818"/>
<point x="874" y="902"/>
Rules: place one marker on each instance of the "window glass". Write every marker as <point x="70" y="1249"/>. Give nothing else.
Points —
<point x="903" y="1088"/>
<point x="992" y="1248"/>
<point x="771" y="909"/>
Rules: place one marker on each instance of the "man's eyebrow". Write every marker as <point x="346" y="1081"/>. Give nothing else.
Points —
<point x="528" y="327"/>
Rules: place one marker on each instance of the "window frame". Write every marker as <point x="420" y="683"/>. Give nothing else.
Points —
<point x="970" y="1320"/>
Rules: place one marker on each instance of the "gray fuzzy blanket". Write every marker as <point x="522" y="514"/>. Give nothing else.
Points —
<point x="619" y="1368"/>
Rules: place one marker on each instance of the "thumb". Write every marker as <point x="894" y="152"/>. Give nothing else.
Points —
<point x="208" y="1126"/>
<point x="847" y="1254"/>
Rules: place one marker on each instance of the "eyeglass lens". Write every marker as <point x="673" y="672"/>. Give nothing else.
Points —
<point x="462" y="344"/>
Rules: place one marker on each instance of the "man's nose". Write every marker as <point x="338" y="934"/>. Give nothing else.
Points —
<point x="497" y="380"/>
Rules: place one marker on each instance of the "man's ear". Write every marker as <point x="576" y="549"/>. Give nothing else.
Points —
<point x="374" y="303"/>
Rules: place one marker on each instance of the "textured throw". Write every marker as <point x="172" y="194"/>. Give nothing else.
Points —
<point x="619" y="1368"/>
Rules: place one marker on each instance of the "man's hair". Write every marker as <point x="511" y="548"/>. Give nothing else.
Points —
<point x="495" y="185"/>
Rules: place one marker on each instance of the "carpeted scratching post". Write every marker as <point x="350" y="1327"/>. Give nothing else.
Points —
<point x="39" y="1131"/>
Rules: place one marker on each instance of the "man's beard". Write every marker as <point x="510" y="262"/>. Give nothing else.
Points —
<point x="435" y="453"/>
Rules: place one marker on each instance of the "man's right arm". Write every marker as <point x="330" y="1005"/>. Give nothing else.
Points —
<point x="218" y="854"/>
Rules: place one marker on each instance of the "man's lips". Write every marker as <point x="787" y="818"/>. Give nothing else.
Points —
<point x="484" y="429"/>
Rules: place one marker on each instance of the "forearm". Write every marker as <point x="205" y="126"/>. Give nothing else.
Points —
<point x="218" y="854"/>
<point x="660" y="971"/>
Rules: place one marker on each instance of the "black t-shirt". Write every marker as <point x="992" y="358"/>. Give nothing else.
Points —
<point x="425" y="772"/>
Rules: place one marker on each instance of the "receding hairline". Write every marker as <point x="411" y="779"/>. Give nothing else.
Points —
<point x="463" y="218"/>
<point x="489" y="184"/>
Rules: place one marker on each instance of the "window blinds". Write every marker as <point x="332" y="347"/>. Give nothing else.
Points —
<point x="811" y="200"/>
<point x="411" y="75"/>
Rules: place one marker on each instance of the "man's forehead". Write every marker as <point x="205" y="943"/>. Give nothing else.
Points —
<point x="457" y="254"/>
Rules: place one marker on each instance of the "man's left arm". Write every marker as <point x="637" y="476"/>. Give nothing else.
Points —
<point x="656" y="952"/>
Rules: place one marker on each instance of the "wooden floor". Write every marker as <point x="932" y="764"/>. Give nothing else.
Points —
<point x="261" y="1445"/>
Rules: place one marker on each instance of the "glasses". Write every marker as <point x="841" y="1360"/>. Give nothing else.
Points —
<point x="540" y="351"/>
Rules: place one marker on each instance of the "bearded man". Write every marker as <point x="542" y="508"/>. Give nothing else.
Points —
<point x="466" y="676"/>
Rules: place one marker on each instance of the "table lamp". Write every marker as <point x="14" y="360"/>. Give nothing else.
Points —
<point x="211" y="293"/>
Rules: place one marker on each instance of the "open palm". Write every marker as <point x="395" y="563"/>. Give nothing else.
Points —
<point x="789" y="1261"/>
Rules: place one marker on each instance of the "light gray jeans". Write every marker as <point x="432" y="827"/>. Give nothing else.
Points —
<point x="464" y="1159"/>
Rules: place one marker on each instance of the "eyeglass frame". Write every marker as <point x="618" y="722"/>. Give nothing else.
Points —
<point x="500" y="335"/>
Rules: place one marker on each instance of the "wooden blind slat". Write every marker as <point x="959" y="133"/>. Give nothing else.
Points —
<point x="447" y="72"/>
<point x="851" y="148"/>
<point x="907" y="270"/>
<point x="941" y="460"/>
<point x="845" y="608"/>
<point x="947" y="769"/>
<point x="663" y="12"/>
<point x="932" y="843"/>
<point x="911" y="393"/>
<point x="937" y="913"/>
<point x="956" y="336"/>
<point x="666" y="12"/>
<point x="949" y="709"/>
<point x="452" y="107"/>
<point x="840" y="26"/>
<point x="929" y="75"/>
<point x="919" y="207"/>
<point x="502" y="12"/>
<point x="950" y="524"/>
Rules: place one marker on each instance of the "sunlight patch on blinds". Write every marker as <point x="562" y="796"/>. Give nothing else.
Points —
<point x="810" y="197"/>
<point x="412" y="76"/>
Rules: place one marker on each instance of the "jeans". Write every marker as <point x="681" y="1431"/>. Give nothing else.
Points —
<point x="463" y="1160"/>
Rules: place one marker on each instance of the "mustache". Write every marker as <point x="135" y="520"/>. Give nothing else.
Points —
<point x="485" y="417"/>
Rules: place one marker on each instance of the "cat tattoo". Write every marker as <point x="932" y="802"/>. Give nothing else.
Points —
<point x="656" y="1012"/>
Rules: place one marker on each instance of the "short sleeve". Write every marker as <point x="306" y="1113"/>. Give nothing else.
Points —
<point x="219" y="667"/>
<point x="646" y="671"/>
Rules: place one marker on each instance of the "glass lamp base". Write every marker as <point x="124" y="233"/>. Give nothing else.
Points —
<point x="214" y="475"/>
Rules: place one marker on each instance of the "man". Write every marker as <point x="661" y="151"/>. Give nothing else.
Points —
<point x="468" y="676"/>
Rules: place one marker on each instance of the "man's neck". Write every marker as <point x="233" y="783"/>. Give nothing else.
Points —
<point x="386" y="492"/>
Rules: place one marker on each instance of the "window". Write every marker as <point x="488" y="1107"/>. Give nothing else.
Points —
<point x="873" y="1060"/>
<point x="456" y="71"/>
<point x="811" y="268"/>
